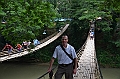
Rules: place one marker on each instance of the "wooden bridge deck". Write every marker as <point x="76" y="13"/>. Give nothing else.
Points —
<point x="4" y="56"/>
<point x="87" y="65"/>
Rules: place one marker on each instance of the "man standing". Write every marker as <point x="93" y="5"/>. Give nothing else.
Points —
<point x="65" y="63"/>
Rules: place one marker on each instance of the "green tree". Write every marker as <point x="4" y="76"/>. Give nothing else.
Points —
<point x="25" y="19"/>
<point x="114" y="7"/>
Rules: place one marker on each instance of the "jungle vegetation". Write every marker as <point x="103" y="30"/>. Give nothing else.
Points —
<point x="26" y="19"/>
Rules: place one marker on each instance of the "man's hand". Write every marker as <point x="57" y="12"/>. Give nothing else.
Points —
<point x="49" y="70"/>
<point x="74" y="71"/>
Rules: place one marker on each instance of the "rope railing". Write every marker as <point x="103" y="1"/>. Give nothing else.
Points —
<point x="98" y="74"/>
<point x="45" y="39"/>
<point x="79" y="51"/>
<point x="48" y="73"/>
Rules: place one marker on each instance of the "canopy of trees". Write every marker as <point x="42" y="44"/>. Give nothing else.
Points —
<point x="24" y="19"/>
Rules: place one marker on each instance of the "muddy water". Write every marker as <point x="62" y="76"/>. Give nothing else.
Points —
<point x="110" y="73"/>
<point x="34" y="71"/>
<point x="22" y="70"/>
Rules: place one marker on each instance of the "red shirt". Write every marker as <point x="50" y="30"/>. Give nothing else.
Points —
<point x="8" y="46"/>
<point x="19" y="46"/>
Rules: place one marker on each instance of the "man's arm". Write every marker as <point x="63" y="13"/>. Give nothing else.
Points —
<point x="51" y="63"/>
<point x="4" y="47"/>
<point x="75" y="62"/>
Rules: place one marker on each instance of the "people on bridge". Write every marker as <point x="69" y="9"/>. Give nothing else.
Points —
<point x="25" y="44"/>
<point x="60" y="29"/>
<point x="91" y="35"/>
<point x="8" y="47"/>
<point x="36" y="42"/>
<point x="19" y="47"/>
<point x="65" y="66"/>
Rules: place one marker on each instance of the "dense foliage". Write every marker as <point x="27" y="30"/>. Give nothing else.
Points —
<point x="25" y="19"/>
<point x="108" y="49"/>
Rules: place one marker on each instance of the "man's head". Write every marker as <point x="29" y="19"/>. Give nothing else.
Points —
<point x="6" y="43"/>
<point x="64" y="40"/>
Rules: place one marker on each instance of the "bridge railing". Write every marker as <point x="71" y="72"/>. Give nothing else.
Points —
<point x="47" y="75"/>
<point x="79" y="51"/>
<point x="98" y="74"/>
<point x="45" y="39"/>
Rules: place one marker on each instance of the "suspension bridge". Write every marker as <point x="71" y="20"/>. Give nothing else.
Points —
<point x="88" y="65"/>
<point x="4" y="55"/>
<point x="87" y="61"/>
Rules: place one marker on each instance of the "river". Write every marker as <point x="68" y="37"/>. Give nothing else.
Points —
<point x="110" y="73"/>
<point x="20" y="70"/>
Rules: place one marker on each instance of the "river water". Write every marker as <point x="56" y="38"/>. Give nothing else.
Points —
<point x="19" y="70"/>
<point x="110" y="73"/>
<point x="22" y="70"/>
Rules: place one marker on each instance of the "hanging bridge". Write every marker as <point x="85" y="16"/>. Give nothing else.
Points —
<point x="87" y="61"/>
<point x="88" y="65"/>
<point x="4" y="55"/>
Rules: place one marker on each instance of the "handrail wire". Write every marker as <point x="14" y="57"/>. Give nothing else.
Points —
<point x="98" y="74"/>
<point x="46" y="73"/>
